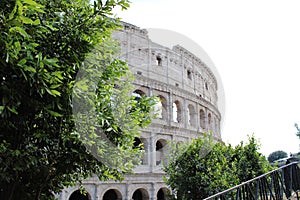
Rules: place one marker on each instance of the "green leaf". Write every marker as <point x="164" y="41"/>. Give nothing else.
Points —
<point x="25" y="20"/>
<point x="12" y="14"/>
<point x="36" y="22"/>
<point x="13" y="110"/>
<point x="19" y="30"/>
<point x="17" y="46"/>
<point x="51" y="61"/>
<point x="1" y="109"/>
<point x="34" y="5"/>
<point x="22" y="62"/>
<point x="55" y="86"/>
<point x="53" y="92"/>
<point x="30" y="69"/>
<point x="31" y="2"/>
<point x="57" y="74"/>
<point x="23" y="73"/>
<point x="53" y="113"/>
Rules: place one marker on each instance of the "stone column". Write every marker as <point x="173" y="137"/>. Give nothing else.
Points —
<point x="184" y="110"/>
<point x="170" y="108"/>
<point x="152" y="192"/>
<point x="127" y="194"/>
<point x="96" y="195"/>
<point x="152" y="152"/>
<point x="197" y="115"/>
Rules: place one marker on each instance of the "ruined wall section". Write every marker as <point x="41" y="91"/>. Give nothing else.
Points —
<point x="175" y="74"/>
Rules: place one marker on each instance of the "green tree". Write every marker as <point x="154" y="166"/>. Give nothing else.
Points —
<point x="43" y="45"/>
<point x="277" y="155"/>
<point x="250" y="162"/>
<point x="202" y="168"/>
<point x="298" y="133"/>
<point x="298" y="130"/>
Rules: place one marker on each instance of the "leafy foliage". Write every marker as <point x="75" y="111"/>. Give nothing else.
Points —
<point x="277" y="155"/>
<point x="203" y="168"/>
<point x="250" y="162"/>
<point x="298" y="130"/>
<point x="43" y="45"/>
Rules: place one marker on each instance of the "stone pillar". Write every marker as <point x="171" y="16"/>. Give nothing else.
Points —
<point x="152" y="192"/>
<point x="206" y="119"/>
<point x="152" y="152"/>
<point x="197" y="115"/>
<point x="182" y="71"/>
<point x="184" y="110"/>
<point x="150" y="93"/>
<point x="148" y="152"/>
<point x="149" y="58"/>
<point x="96" y="195"/>
<point x="167" y="66"/>
<point x="127" y="194"/>
<point x="128" y="34"/>
<point x="170" y="108"/>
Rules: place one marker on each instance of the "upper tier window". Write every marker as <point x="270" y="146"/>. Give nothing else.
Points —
<point x="158" y="61"/>
<point x="189" y="74"/>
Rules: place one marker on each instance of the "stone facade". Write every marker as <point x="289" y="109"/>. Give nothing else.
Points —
<point x="187" y="89"/>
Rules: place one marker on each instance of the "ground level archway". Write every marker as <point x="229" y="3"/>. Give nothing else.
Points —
<point x="140" y="194"/>
<point x="112" y="194"/>
<point x="80" y="195"/>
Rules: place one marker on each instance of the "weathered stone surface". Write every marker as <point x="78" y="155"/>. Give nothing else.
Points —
<point x="179" y="78"/>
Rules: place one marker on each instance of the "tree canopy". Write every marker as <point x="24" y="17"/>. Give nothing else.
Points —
<point x="47" y="140"/>
<point x="277" y="155"/>
<point x="203" y="167"/>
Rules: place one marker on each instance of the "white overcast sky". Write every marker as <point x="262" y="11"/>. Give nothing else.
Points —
<point x="255" y="46"/>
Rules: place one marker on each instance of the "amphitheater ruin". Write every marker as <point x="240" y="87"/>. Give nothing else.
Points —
<point x="187" y="90"/>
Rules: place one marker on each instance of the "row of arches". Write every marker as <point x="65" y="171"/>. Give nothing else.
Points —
<point x="115" y="194"/>
<point x="205" y="120"/>
<point x="159" y="152"/>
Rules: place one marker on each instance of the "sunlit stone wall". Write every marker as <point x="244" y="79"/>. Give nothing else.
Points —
<point x="187" y="90"/>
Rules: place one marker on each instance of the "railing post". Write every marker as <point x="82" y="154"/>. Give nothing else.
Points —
<point x="291" y="179"/>
<point x="271" y="186"/>
<point x="237" y="194"/>
<point x="282" y="182"/>
<point x="257" y="188"/>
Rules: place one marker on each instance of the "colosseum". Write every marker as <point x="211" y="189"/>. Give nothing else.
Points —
<point x="187" y="90"/>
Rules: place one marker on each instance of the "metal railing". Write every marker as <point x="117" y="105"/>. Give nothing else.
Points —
<point x="279" y="184"/>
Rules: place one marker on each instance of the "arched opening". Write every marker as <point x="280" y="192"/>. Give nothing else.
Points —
<point x="189" y="74"/>
<point x="209" y="121"/>
<point x="191" y="115"/>
<point x="202" y="119"/>
<point x="176" y="112"/>
<point x="80" y="195"/>
<point x="140" y="194"/>
<point x="158" y="61"/>
<point x="161" y="150"/>
<point x="112" y="194"/>
<point x="160" y="108"/>
<point x="174" y="108"/>
<point x="162" y="194"/>
<point x="138" y="94"/>
<point x="139" y="143"/>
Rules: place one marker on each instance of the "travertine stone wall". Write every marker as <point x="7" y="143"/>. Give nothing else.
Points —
<point x="188" y="92"/>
